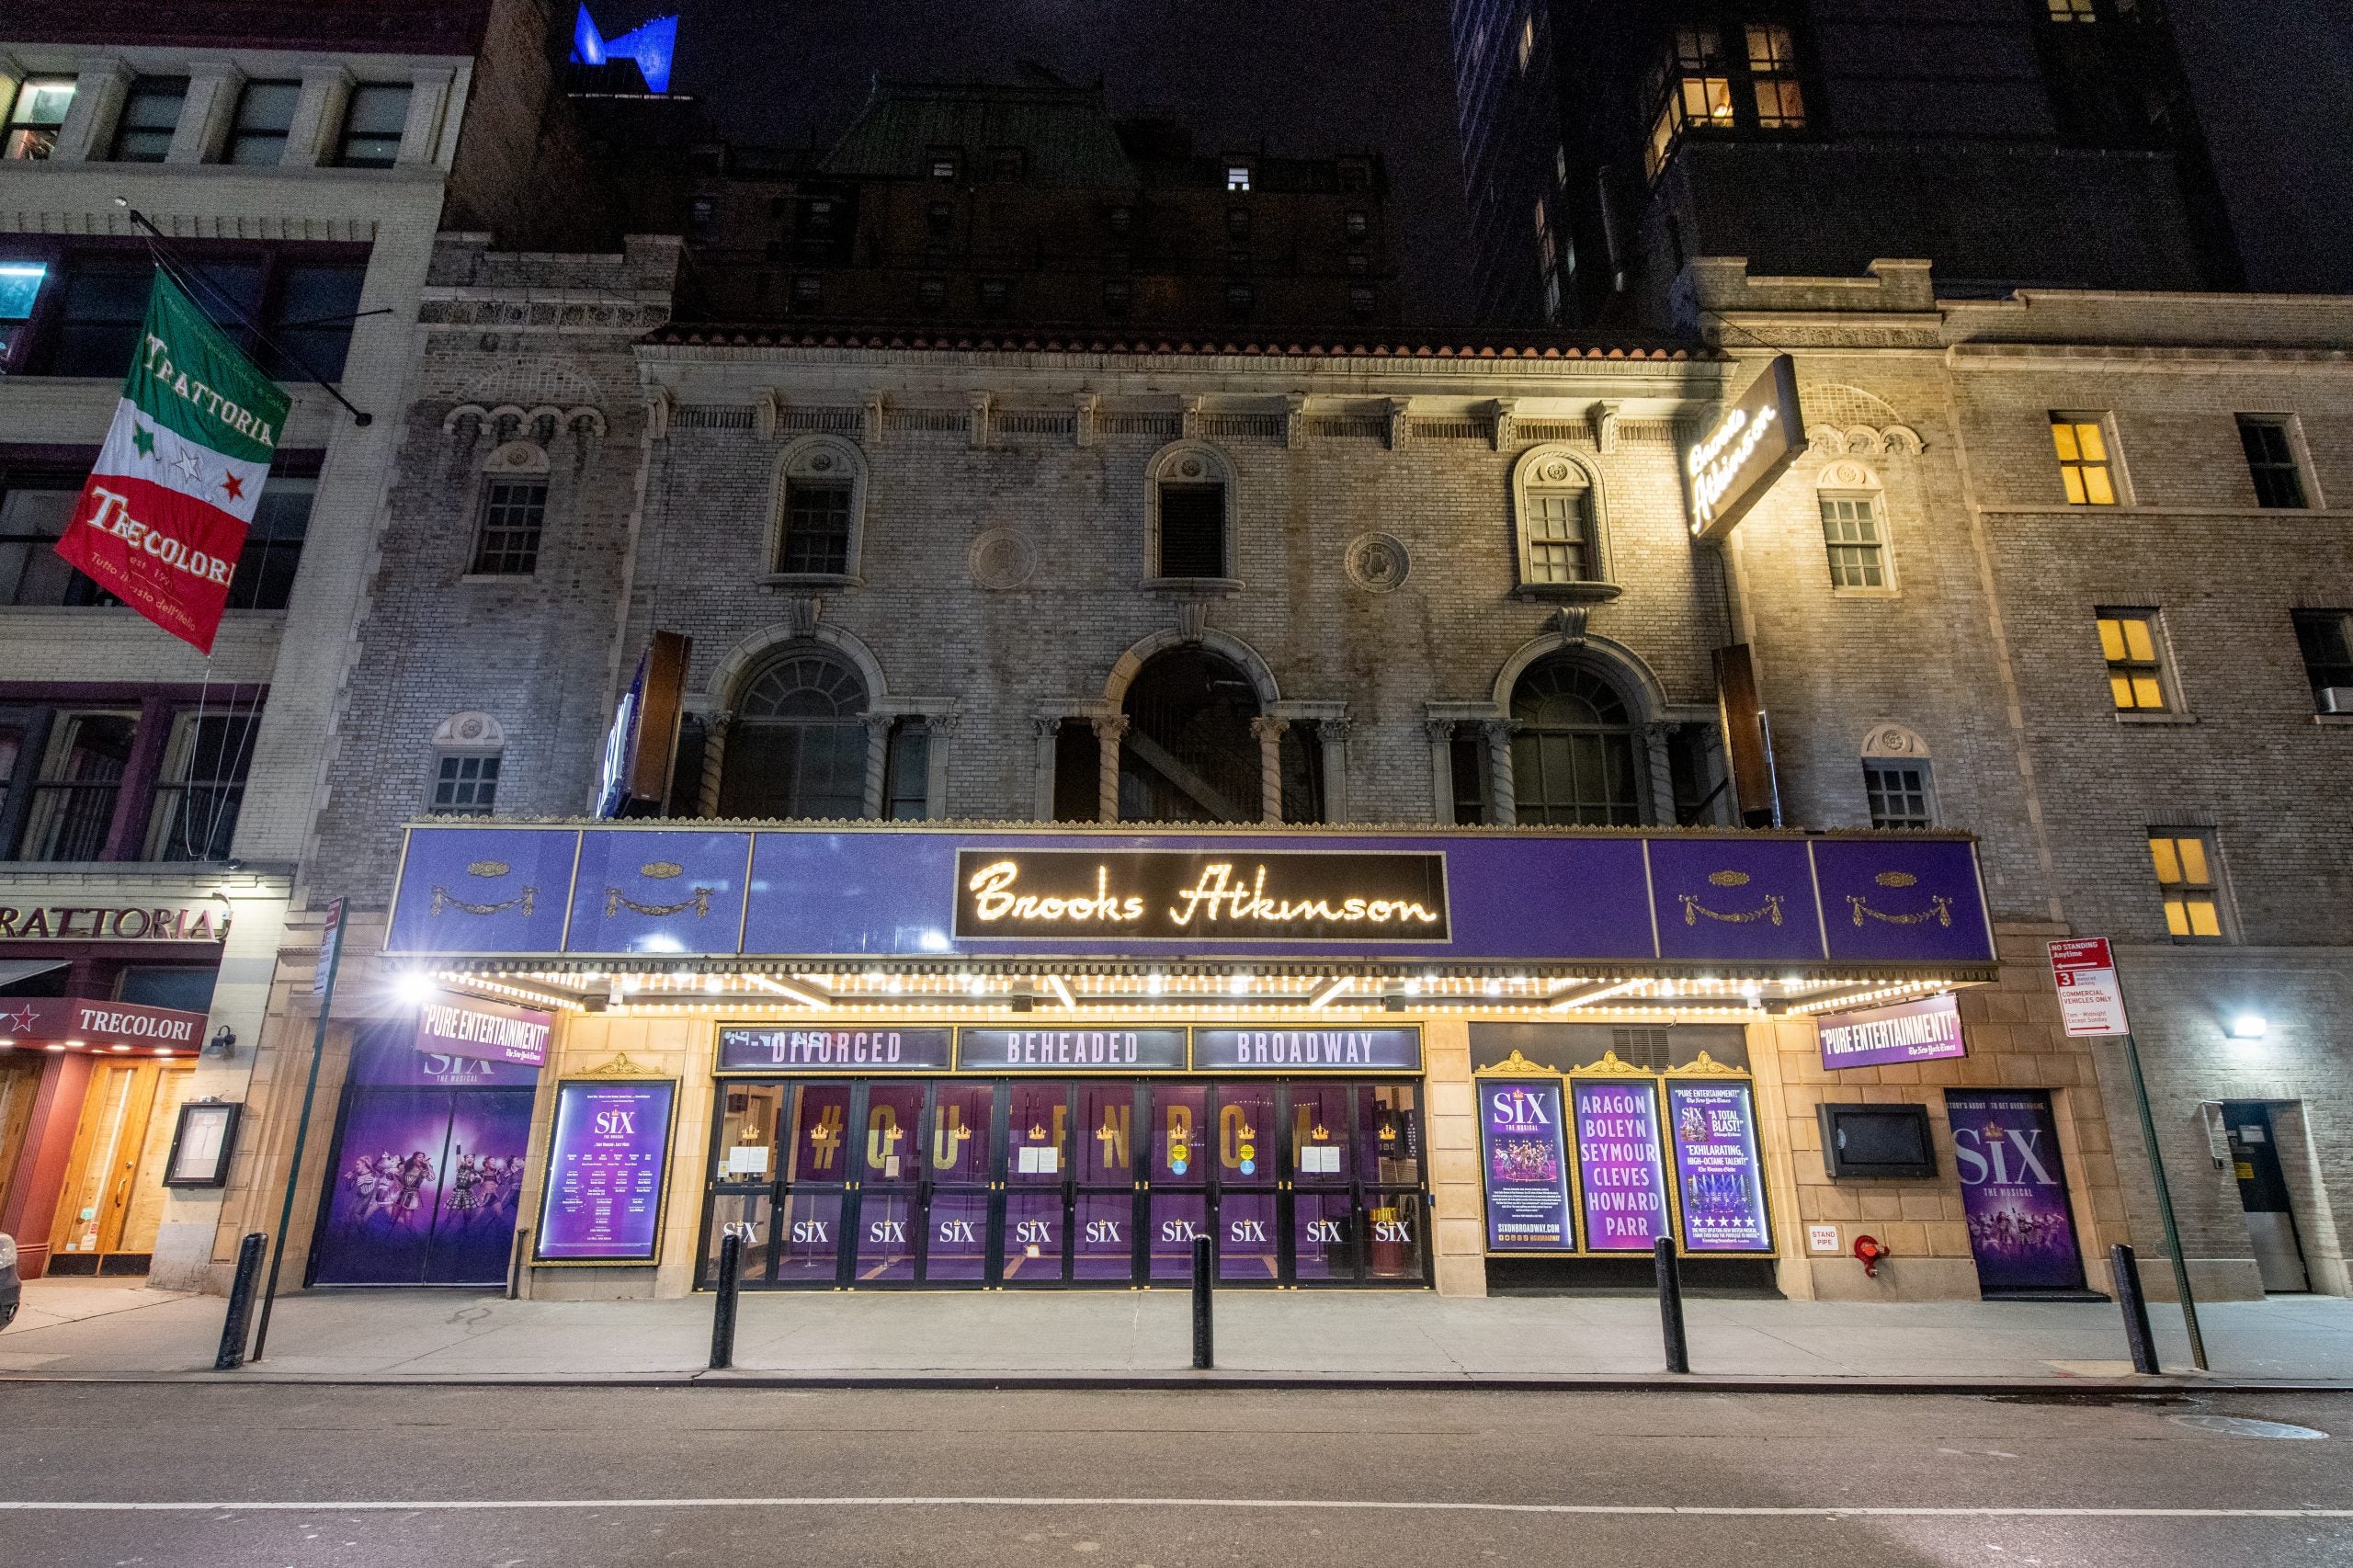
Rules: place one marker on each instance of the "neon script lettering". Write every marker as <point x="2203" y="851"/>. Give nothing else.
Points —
<point x="1217" y="895"/>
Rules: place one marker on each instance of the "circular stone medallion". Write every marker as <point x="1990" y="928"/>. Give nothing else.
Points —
<point x="1377" y="562"/>
<point x="1003" y="558"/>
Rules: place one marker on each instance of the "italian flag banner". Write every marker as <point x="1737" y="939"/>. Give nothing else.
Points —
<point x="166" y="510"/>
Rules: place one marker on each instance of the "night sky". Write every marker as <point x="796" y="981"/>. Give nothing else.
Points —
<point x="1292" y="75"/>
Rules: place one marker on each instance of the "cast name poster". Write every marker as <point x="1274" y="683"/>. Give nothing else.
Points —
<point x="2014" y="1190"/>
<point x="1527" y="1166"/>
<point x="1620" y="1165"/>
<point x="1716" y="1170"/>
<point x="607" y="1158"/>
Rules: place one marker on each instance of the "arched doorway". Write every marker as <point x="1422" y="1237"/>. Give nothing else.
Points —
<point x="796" y="744"/>
<point x="1189" y="753"/>
<point x="1573" y="752"/>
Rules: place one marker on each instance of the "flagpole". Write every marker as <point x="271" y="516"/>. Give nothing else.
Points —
<point x="162" y="242"/>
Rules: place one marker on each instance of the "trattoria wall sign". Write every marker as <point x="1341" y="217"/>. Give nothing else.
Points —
<point x="112" y="923"/>
<point x="1154" y="895"/>
<point x="1730" y="468"/>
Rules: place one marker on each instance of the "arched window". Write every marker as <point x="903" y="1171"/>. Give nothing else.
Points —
<point x="1854" y="528"/>
<point x="1189" y="753"/>
<point x="1572" y="748"/>
<point x="1556" y="495"/>
<point x="1191" y="505"/>
<point x="797" y="745"/>
<point x="820" y="509"/>
<point x="467" y="750"/>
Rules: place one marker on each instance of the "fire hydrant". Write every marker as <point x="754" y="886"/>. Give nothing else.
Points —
<point x="1870" y="1252"/>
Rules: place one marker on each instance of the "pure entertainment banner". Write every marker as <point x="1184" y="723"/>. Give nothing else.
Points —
<point x="607" y="1161"/>
<point x="1621" y="1168"/>
<point x="1718" y="1181"/>
<point x="2014" y="1190"/>
<point x="1926" y="1030"/>
<point x="1525" y="1165"/>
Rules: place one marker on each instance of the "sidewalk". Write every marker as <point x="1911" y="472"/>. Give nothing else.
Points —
<point x="79" y="1328"/>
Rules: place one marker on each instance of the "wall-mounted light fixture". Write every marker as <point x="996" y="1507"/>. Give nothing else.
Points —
<point x="223" y="1043"/>
<point x="2249" y="1026"/>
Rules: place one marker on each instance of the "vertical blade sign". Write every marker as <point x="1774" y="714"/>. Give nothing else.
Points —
<point x="166" y="510"/>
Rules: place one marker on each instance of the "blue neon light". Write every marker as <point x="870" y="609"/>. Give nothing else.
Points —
<point x="651" y="45"/>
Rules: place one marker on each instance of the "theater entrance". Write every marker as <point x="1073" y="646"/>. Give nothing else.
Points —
<point x="1022" y="1184"/>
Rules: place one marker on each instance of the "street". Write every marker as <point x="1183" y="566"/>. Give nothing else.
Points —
<point x="199" y="1476"/>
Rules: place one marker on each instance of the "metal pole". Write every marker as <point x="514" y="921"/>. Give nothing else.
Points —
<point x="722" y="1312"/>
<point x="1670" y="1304"/>
<point x="2126" y="1271"/>
<point x="232" y="1354"/>
<point x="2165" y="1195"/>
<point x="301" y="1136"/>
<point x="1203" y="1358"/>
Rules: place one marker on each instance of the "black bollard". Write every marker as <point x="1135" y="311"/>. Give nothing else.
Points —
<point x="1670" y="1305"/>
<point x="232" y="1354"/>
<point x="2127" y="1271"/>
<point x="722" y="1312"/>
<point x="1203" y="1356"/>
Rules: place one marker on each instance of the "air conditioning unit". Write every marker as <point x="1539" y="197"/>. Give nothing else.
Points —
<point x="2337" y="699"/>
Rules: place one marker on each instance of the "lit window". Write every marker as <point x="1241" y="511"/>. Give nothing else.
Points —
<point x="1773" y="72"/>
<point x="151" y="114"/>
<point x="1850" y="533"/>
<point x="1898" y="793"/>
<point x="513" y="513"/>
<point x="371" y="126"/>
<point x="2071" y="10"/>
<point x="265" y="115"/>
<point x="2324" y="637"/>
<point x="2128" y="641"/>
<point x="20" y="284"/>
<point x="1691" y="88"/>
<point x="2271" y="461"/>
<point x="2189" y="882"/>
<point x="1527" y="39"/>
<point x="1560" y="535"/>
<point x="1237" y="177"/>
<point x="2081" y="441"/>
<point x="466" y="785"/>
<point x="34" y="119"/>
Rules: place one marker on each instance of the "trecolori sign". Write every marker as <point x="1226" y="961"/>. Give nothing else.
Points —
<point x="166" y="509"/>
<point x="489" y="1031"/>
<point x="28" y="1019"/>
<point x="1910" y="1031"/>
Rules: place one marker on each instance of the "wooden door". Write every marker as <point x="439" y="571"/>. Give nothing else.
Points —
<point x="107" y="1145"/>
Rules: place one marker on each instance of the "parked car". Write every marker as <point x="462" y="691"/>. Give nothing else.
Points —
<point x="12" y="1289"/>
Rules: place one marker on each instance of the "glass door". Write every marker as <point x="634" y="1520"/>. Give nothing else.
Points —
<point x="1036" y="1234"/>
<point x="1389" y="1159"/>
<point x="889" y="1183"/>
<point x="962" y="1135"/>
<point x="1326" y="1230"/>
<point x="1108" y="1193"/>
<point x="744" y="1181"/>
<point x="1249" y="1232"/>
<point x="1178" y="1196"/>
<point x="816" y="1187"/>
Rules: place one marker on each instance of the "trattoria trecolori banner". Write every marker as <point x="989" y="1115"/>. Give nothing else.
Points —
<point x="166" y="510"/>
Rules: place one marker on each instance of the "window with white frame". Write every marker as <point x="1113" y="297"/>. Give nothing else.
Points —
<point x="1557" y="497"/>
<point x="1899" y="792"/>
<point x="821" y="503"/>
<point x="467" y="751"/>
<point x="2270" y="445"/>
<point x="373" y="120"/>
<point x="2189" y="880"/>
<point x="2132" y="644"/>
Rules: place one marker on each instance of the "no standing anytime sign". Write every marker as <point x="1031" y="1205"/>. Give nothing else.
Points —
<point x="2090" y="1001"/>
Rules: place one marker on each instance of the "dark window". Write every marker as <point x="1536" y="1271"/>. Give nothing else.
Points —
<point x="1192" y="530"/>
<point x="305" y="307"/>
<point x="273" y="547"/>
<point x="514" y="511"/>
<point x="1237" y="222"/>
<point x="1898" y="793"/>
<point x="1119" y="296"/>
<point x="994" y="294"/>
<point x="816" y="527"/>
<point x="1359" y="264"/>
<point x="1190" y="752"/>
<point x="808" y="291"/>
<point x="1120" y="219"/>
<point x="2325" y="638"/>
<point x="1008" y="163"/>
<point x="34" y="509"/>
<point x="371" y="126"/>
<point x="466" y="784"/>
<point x="310" y="318"/>
<point x="2271" y="461"/>
<point x="1466" y="760"/>
<point x="1241" y="299"/>
<point x="1078" y="762"/>
<point x="933" y="291"/>
<point x="35" y="116"/>
<point x="701" y="213"/>
<point x="72" y="812"/>
<point x="186" y="986"/>
<point x="100" y="309"/>
<point x="1572" y="748"/>
<point x="1355" y="174"/>
<point x="1850" y="533"/>
<point x="151" y="114"/>
<point x="1361" y="298"/>
<point x="940" y="218"/>
<point x="798" y="745"/>
<point x="1302" y="759"/>
<point x="817" y="216"/>
<point x="1359" y="226"/>
<point x="265" y="115"/>
<point x="194" y="816"/>
<point x="906" y="794"/>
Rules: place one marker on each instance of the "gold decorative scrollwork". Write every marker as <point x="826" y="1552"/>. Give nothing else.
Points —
<point x="1939" y="910"/>
<point x="444" y="899"/>
<point x="1518" y="1066"/>
<point x="1769" y="910"/>
<point x="699" y="902"/>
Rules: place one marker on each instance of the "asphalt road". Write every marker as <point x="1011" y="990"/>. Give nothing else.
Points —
<point x="517" y="1478"/>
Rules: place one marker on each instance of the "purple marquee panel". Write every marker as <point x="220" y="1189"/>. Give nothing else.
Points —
<point x="892" y="893"/>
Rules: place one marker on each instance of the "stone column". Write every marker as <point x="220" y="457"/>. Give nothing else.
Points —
<point x="936" y="729"/>
<point x="1659" y="772"/>
<point x="1499" y="780"/>
<point x="1108" y="733"/>
<point x="1441" y="734"/>
<point x="206" y="113"/>
<point x="878" y="760"/>
<point x="99" y="93"/>
<point x="1271" y="765"/>
<point x="428" y="96"/>
<point x="1333" y="735"/>
<point x="1044" y="754"/>
<point x="714" y="760"/>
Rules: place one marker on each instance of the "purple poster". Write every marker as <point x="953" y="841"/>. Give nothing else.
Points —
<point x="608" y="1157"/>
<point x="423" y="1188"/>
<point x="2014" y="1190"/>
<point x="1716" y="1172"/>
<point x="1926" y="1030"/>
<point x="1620" y="1164"/>
<point x="1526" y="1166"/>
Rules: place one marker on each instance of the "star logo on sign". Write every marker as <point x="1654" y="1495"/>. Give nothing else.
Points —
<point x="187" y="465"/>
<point x="18" y="1022"/>
<point x="144" y="439"/>
<point x="234" y="486"/>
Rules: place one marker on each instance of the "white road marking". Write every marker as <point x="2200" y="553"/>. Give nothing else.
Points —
<point x="1822" y="1511"/>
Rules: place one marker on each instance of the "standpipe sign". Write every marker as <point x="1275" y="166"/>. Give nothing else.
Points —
<point x="1730" y="468"/>
<point x="1151" y="895"/>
